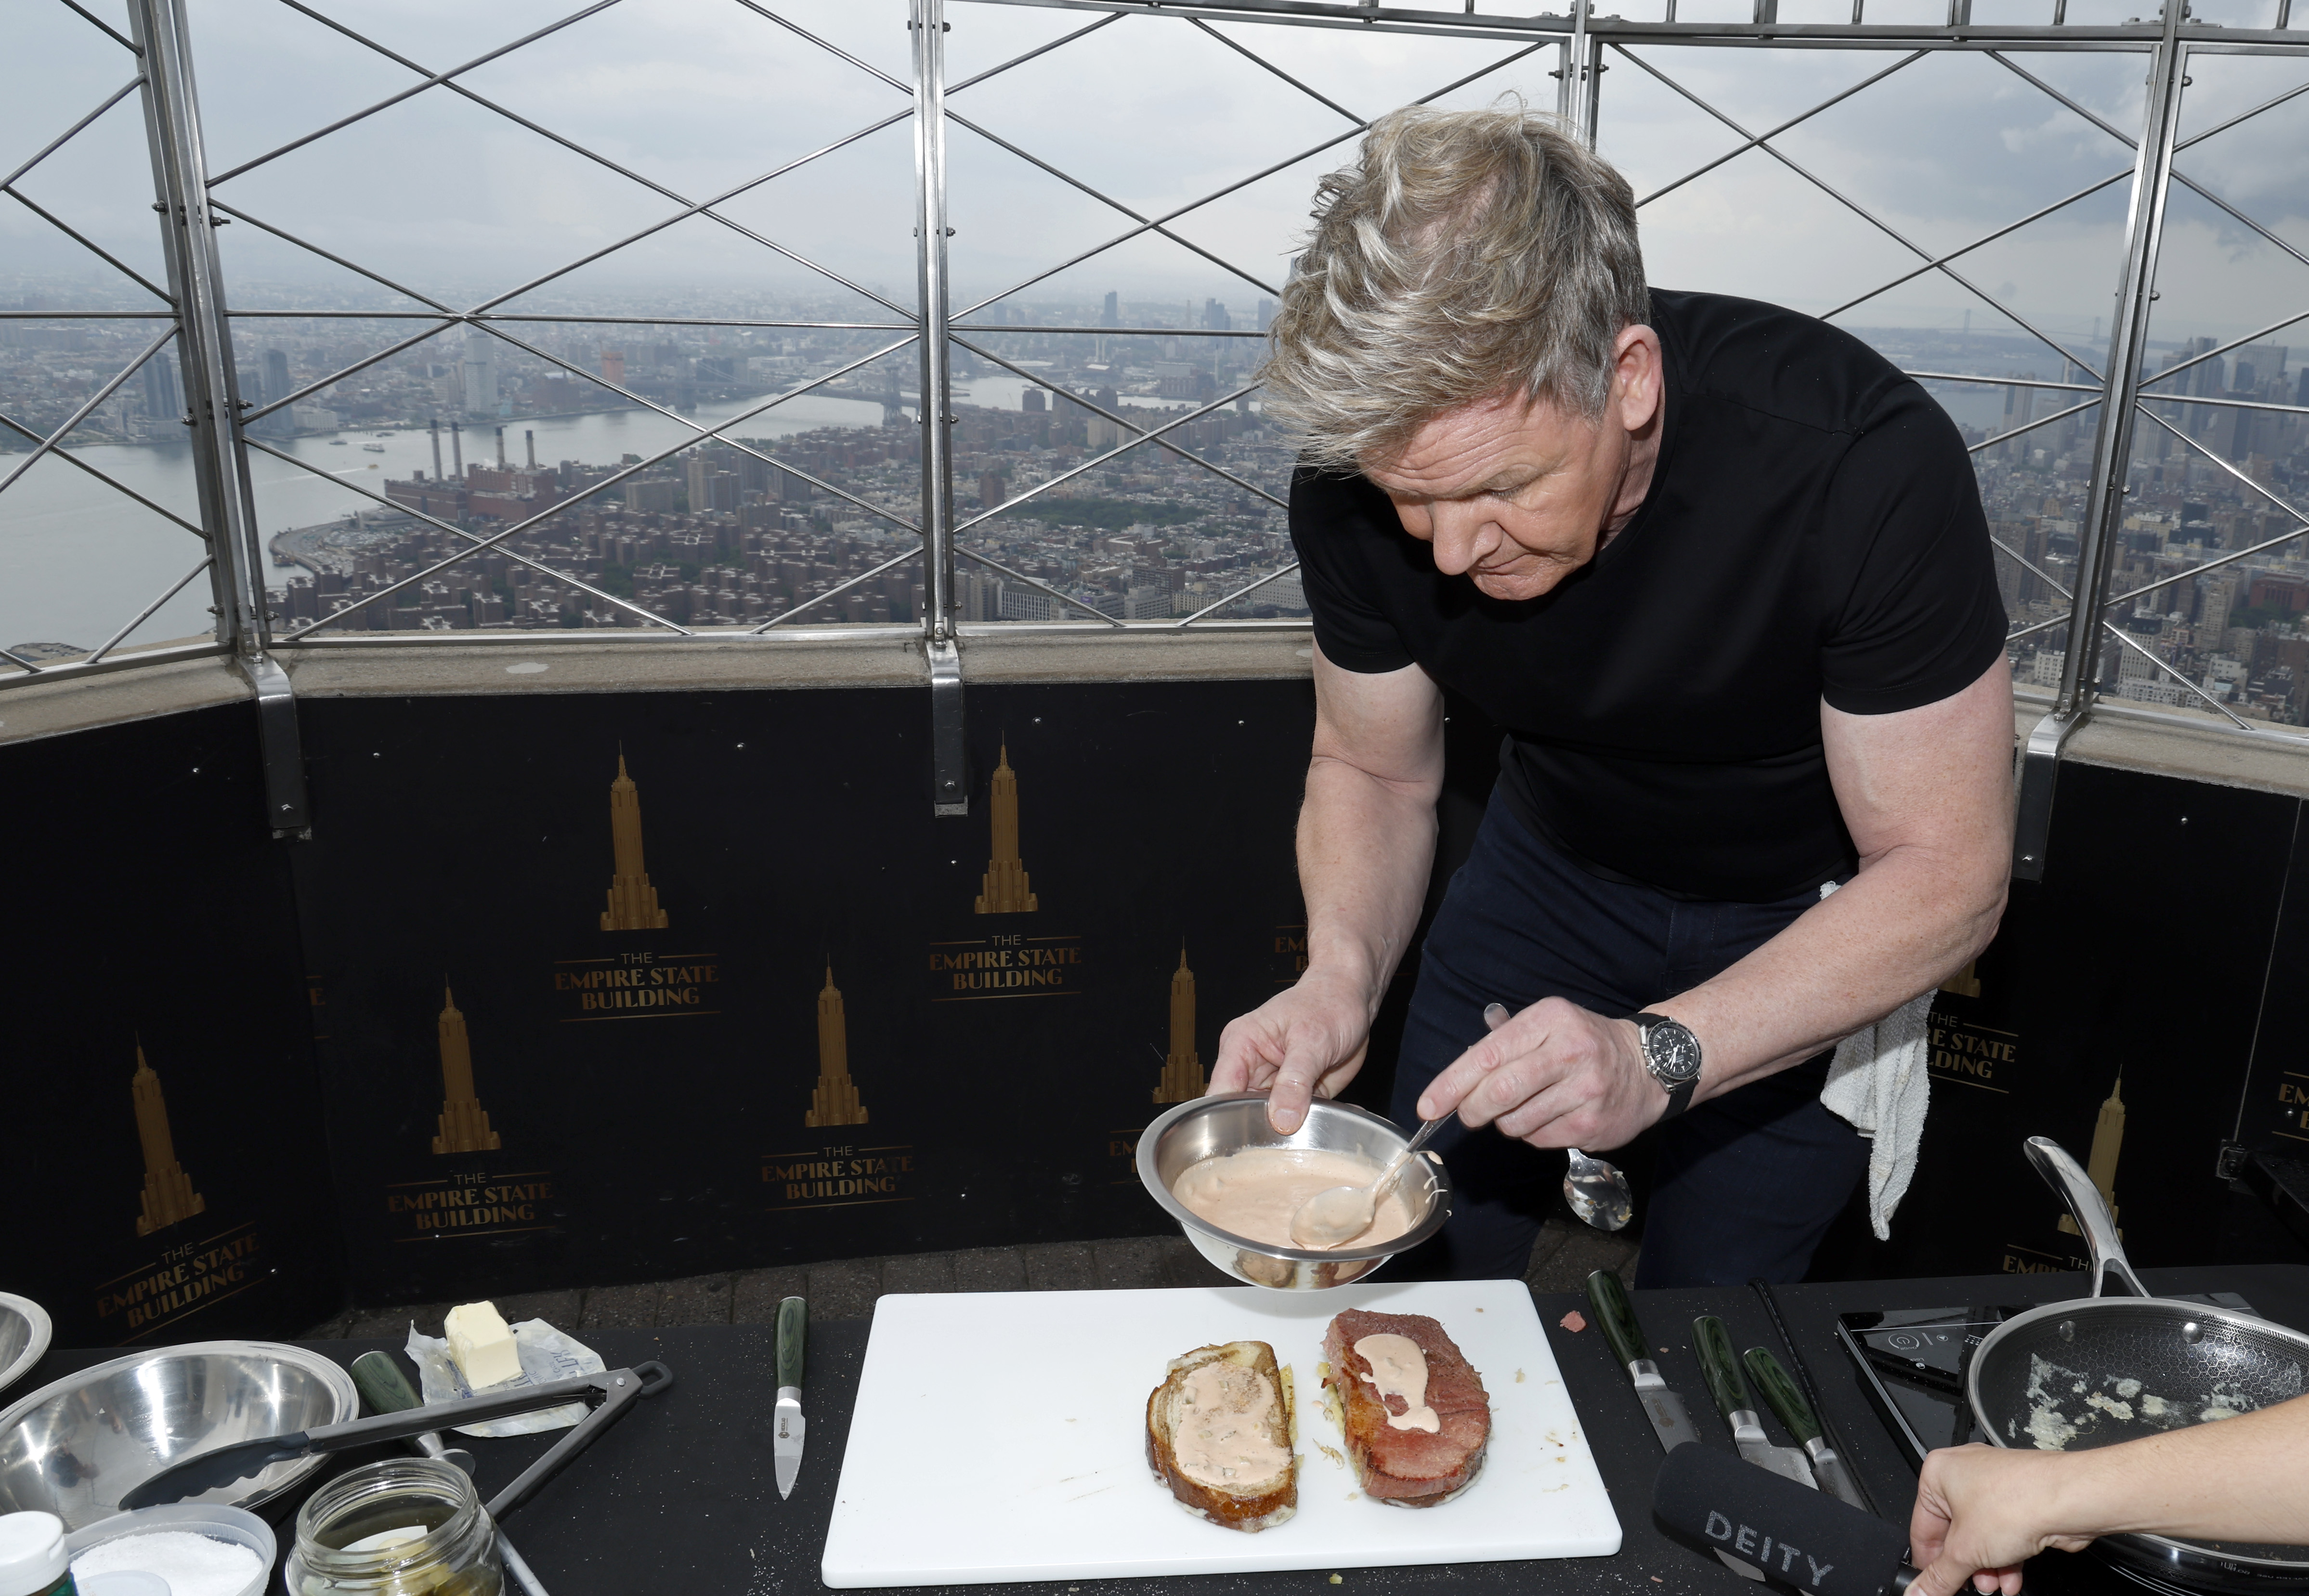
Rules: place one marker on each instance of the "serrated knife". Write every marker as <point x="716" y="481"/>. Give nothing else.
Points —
<point x="785" y="1445"/>
<point x="1615" y="1316"/>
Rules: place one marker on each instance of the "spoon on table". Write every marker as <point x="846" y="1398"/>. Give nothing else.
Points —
<point x="1336" y="1215"/>
<point x="1596" y="1191"/>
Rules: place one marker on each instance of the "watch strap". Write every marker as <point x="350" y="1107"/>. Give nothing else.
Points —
<point x="1679" y="1095"/>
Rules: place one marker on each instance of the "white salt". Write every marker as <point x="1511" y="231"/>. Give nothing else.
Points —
<point x="193" y="1565"/>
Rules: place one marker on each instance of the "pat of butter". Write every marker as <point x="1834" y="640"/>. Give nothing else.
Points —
<point x="482" y="1345"/>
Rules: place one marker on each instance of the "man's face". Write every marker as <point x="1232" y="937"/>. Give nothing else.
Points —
<point x="1517" y="494"/>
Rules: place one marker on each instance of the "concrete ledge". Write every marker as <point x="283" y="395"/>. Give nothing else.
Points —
<point x="552" y="665"/>
<point x="1100" y="653"/>
<point x="2168" y="745"/>
<point x="77" y="704"/>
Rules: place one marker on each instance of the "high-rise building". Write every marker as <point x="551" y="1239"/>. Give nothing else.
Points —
<point x="462" y="1126"/>
<point x="480" y="372"/>
<point x="1215" y="316"/>
<point x="168" y="1194"/>
<point x="1110" y="314"/>
<point x="834" y="1100"/>
<point x="1004" y="889"/>
<point x="164" y="399"/>
<point x="1182" y="1066"/>
<point x="1264" y="314"/>
<point x="633" y="901"/>
<point x="276" y="375"/>
<point x="613" y="365"/>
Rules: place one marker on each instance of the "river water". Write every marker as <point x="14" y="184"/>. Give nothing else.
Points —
<point x="78" y="560"/>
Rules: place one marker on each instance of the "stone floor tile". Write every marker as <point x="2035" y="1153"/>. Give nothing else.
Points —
<point x="844" y="1289"/>
<point x="1184" y="1266"/>
<point x="623" y="1307"/>
<point x="1582" y="1251"/>
<point x="1131" y="1263"/>
<point x="701" y="1300"/>
<point x="1061" y="1266"/>
<point x="991" y="1269"/>
<point x="919" y="1273"/>
<point x="560" y="1309"/>
<point x="756" y="1293"/>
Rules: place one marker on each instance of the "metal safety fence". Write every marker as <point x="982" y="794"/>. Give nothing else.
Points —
<point x="2117" y="88"/>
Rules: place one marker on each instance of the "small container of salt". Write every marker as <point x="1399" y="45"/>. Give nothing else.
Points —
<point x="197" y="1548"/>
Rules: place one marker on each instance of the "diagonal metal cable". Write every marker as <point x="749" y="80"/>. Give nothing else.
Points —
<point x="1751" y="142"/>
<point x="149" y="610"/>
<point x="1147" y="436"/>
<point x="334" y="377"/>
<point x="2046" y="420"/>
<point x="118" y="36"/>
<point x="2271" y="103"/>
<point x="1219" y="194"/>
<point x="2217" y="350"/>
<point x="121" y="488"/>
<point x="454" y="530"/>
<point x="2127" y="638"/>
<point x="515" y="530"/>
<point x="1122" y="421"/>
<point x="837" y="590"/>
<point x="1256" y="59"/>
<point x="2004" y="382"/>
<point x="433" y="80"/>
<point x="1187" y="620"/>
<point x="58" y="143"/>
<point x="88" y="405"/>
<point x="2091" y="189"/>
<point x="1071" y="603"/>
<point x="1863" y="212"/>
<point x="91" y="245"/>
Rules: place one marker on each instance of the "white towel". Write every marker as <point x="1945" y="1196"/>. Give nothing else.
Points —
<point x="1881" y="1083"/>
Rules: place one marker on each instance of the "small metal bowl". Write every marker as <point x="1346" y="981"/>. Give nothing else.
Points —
<point x="75" y="1447"/>
<point x="24" y="1331"/>
<point x="1209" y="1126"/>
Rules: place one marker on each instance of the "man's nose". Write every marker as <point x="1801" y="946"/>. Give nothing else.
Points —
<point x="1464" y="535"/>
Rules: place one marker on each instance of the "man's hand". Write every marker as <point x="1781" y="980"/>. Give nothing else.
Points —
<point x="1298" y="1042"/>
<point x="1980" y="1514"/>
<point x="1554" y="1075"/>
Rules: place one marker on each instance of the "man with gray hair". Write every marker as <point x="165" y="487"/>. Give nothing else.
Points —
<point x="1723" y="573"/>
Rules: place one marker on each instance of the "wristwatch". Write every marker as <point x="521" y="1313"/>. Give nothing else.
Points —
<point x="1672" y="1054"/>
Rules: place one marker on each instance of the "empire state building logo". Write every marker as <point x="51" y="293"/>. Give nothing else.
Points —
<point x="463" y="1125"/>
<point x="168" y="1194"/>
<point x="835" y="1101"/>
<point x="633" y="901"/>
<point x="1183" y="1067"/>
<point x="1003" y="889"/>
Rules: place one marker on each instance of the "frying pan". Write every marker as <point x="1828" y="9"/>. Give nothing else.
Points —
<point x="2070" y="1375"/>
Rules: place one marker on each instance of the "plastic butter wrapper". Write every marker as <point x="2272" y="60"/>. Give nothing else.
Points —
<point x="546" y="1354"/>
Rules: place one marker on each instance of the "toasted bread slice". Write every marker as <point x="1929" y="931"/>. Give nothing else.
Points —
<point x="1407" y="1468"/>
<point x="1218" y="1434"/>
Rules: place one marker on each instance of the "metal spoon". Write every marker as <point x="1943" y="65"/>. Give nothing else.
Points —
<point x="1336" y="1215"/>
<point x="1596" y="1191"/>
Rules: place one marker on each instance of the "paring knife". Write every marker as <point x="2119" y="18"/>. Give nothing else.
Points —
<point x="786" y="1447"/>
<point x="1784" y="1398"/>
<point x="1713" y="1343"/>
<point x="1615" y="1316"/>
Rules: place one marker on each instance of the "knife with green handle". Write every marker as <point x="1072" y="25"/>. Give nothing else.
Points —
<point x="1721" y="1365"/>
<point x="1785" y="1401"/>
<point x="1615" y="1316"/>
<point x="785" y="1443"/>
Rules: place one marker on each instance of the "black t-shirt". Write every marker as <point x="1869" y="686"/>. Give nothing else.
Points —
<point x="1813" y="532"/>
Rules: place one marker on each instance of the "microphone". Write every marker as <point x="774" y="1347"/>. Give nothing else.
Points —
<point x="1798" y="1537"/>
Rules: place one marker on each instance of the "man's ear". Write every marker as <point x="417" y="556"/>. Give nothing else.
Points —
<point x="1638" y="373"/>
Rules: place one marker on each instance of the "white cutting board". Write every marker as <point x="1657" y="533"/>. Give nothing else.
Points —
<point x="1001" y="1436"/>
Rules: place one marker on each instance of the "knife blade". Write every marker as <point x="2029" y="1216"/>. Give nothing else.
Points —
<point x="1713" y="1343"/>
<point x="785" y="1445"/>
<point x="1787" y="1401"/>
<point x="1615" y="1316"/>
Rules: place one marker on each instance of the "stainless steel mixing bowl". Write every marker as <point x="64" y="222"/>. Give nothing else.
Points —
<point x="1209" y="1126"/>
<point x="24" y="1331"/>
<point x="75" y="1448"/>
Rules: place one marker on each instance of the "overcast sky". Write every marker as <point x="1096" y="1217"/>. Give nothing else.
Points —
<point x="701" y="95"/>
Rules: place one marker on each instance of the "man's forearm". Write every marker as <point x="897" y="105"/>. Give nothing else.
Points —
<point x="1898" y="928"/>
<point x="1365" y="849"/>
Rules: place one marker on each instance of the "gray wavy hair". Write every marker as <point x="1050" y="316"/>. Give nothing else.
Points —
<point x="1466" y="253"/>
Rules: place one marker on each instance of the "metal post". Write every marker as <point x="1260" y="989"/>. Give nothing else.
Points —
<point x="213" y="397"/>
<point x="2111" y="450"/>
<point x="949" y="764"/>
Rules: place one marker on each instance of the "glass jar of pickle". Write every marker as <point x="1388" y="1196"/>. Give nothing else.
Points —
<point x="402" y="1528"/>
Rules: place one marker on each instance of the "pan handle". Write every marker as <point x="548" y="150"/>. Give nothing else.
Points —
<point x="2062" y="1173"/>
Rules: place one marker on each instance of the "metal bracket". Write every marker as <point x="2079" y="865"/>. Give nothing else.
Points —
<point x="280" y="747"/>
<point x="2231" y="1164"/>
<point x="949" y="753"/>
<point x="2040" y="767"/>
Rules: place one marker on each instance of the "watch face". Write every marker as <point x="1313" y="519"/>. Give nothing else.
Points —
<point x="1671" y="1052"/>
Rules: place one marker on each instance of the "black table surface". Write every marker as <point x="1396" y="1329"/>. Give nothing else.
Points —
<point x="681" y="1496"/>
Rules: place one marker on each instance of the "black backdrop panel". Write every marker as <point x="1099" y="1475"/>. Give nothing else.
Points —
<point x="190" y="1200"/>
<point x="668" y="1094"/>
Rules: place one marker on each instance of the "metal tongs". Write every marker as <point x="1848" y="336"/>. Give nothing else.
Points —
<point x="610" y="1394"/>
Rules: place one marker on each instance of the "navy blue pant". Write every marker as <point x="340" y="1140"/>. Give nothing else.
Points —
<point x="1742" y="1185"/>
